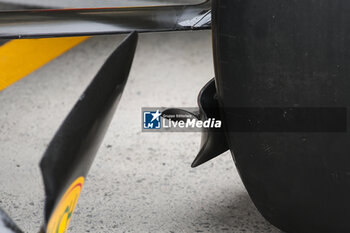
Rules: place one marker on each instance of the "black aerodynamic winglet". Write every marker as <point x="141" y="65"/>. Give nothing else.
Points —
<point x="71" y="152"/>
<point x="214" y="141"/>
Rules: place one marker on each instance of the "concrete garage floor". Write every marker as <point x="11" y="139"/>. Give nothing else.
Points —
<point x="140" y="182"/>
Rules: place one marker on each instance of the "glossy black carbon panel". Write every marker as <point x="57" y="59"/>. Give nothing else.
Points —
<point x="98" y="21"/>
<point x="73" y="149"/>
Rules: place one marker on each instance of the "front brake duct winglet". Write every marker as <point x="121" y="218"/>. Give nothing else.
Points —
<point x="213" y="141"/>
<point x="71" y="152"/>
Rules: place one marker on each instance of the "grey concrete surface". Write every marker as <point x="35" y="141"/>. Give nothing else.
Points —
<point x="140" y="182"/>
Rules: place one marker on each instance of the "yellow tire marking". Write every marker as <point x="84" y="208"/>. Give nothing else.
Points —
<point x="19" y="58"/>
<point x="60" y="218"/>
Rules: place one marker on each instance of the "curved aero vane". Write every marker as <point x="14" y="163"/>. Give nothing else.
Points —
<point x="71" y="152"/>
<point x="213" y="141"/>
<point x="97" y="21"/>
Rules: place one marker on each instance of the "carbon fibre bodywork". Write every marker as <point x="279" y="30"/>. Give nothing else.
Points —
<point x="267" y="54"/>
<point x="213" y="141"/>
<point x="98" y="21"/>
<point x="73" y="149"/>
<point x="71" y="152"/>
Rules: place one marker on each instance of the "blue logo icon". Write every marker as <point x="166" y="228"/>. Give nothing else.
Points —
<point x="151" y="120"/>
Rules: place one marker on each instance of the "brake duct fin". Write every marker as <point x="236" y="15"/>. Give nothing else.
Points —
<point x="71" y="152"/>
<point x="213" y="141"/>
<point x="97" y="21"/>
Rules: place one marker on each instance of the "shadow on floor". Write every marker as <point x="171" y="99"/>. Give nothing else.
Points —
<point x="236" y="214"/>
